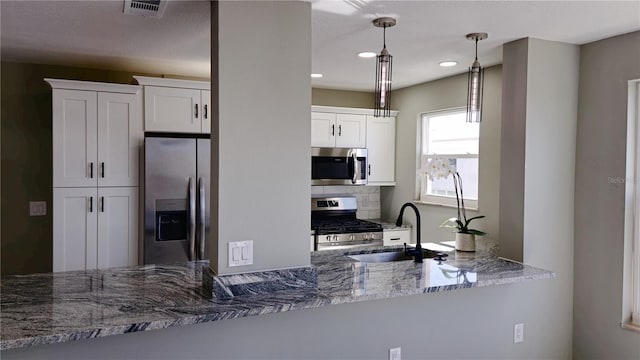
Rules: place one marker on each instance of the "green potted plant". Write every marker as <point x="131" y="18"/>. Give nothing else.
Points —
<point x="465" y="236"/>
<point x="441" y="168"/>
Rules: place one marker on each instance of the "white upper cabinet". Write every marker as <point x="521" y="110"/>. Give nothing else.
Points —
<point x="323" y="129"/>
<point x="172" y="109"/>
<point x="97" y="132"/>
<point x="381" y="155"/>
<point x="119" y="139"/>
<point x="351" y="130"/>
<point x="172" y="105"/>
<point x="338" y="130"/>
<point x="75" y="137"/>
<point x="358" y="128"/>
<point x="205" y="95"/>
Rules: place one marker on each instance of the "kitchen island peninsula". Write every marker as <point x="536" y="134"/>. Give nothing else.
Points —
<point x="60" y="307"/>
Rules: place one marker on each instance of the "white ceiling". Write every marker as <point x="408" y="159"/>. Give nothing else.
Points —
<point x="98" y="34"/>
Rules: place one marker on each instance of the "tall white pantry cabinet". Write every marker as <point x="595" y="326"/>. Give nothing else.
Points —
<point x="97" y="136"/>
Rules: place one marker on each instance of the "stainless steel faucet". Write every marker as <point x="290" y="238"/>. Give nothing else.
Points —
<point x="417" y="251"/>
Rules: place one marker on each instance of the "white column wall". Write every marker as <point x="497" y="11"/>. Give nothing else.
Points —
<point x="263" y="133"/>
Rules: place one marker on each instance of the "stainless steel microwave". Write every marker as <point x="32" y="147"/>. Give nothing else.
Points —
<point x="338" y="166"/>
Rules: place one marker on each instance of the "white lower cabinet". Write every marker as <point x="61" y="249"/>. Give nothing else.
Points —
<point x="75" y="229"/>
<point x="396" y="237"/>
<point x="94" y="227"/>
<point x="117" y="227"/>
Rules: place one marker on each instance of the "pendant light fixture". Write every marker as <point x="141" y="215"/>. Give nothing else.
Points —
<point x="383" y="71"/>
<point x="476" y="83"/>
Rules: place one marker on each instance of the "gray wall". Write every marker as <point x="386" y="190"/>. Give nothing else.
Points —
<point x="343" y="98"/>
<point x="606" y="66"/>
<point x="514" y="112"/>
<point x="437" y="95"/>
<point x="263" y="126"/>
<point x="552" y="99"/>
<point x="540" y="106"/>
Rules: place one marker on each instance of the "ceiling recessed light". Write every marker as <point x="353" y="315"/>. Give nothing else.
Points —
<point x="448" y="63"/>
<point x="316" y="75"/>
<point x="367" y="54"/>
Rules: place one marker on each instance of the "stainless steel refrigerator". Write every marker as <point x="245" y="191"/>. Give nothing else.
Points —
<point x="176" y="199"/>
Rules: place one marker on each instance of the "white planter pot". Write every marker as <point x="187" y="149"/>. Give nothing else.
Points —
<point x="465" y="242"/>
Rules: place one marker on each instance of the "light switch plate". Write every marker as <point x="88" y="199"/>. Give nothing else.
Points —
<point x="37" y="208"/>
<point x="241" y="253"/>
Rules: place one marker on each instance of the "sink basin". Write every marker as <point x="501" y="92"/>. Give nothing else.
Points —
<point x="390" y="256"/>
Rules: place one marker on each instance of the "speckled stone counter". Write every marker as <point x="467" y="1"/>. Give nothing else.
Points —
<point x="59" y="307"/>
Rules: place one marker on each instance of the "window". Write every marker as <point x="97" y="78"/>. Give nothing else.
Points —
<point x="446" y="137"/>
<point x="632" y="211"/>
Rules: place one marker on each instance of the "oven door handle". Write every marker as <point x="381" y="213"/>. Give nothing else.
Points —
<point x="192" y="220"/>
<point x="355" y="167"/>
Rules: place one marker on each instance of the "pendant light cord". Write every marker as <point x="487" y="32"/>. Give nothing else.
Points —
<point x="384" y="37"/>
<point x="476" y="48"/>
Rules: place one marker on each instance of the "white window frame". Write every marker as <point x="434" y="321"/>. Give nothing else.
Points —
<point x="631" y="277"/>
<point x="421" y="195"/>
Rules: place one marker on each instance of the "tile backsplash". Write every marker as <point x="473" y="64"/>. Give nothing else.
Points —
<point x="368" y="198"/>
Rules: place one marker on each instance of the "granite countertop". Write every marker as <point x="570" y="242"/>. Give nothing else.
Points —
<point x="59" y="307"/>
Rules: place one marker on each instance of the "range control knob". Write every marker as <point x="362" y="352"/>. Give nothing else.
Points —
<point x="351" y="237"/>
<point x="329" y="238"/>
<point x="335" y="238"/>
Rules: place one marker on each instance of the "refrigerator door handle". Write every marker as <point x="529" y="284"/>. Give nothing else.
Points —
<point x="201" y="236"/>
<point x="192" y="220"/>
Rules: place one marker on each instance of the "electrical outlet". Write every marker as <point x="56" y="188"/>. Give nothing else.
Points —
<point x="518" y="333"/>
<point x="395" y="354"/>
<point x="37" y="208"/>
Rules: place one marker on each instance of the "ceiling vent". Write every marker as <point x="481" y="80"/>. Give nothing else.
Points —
<point x="147" y="8"/>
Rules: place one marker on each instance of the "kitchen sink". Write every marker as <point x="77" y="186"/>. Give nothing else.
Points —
<point x="390" y="256"/>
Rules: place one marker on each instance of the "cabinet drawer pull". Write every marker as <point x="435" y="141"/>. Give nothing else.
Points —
<point x="395" y="239"/>
<point x="196" y="111"/>
<point x="90" y="203"/>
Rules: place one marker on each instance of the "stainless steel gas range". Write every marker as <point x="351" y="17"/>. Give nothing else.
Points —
<point x="334" y="222"/>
